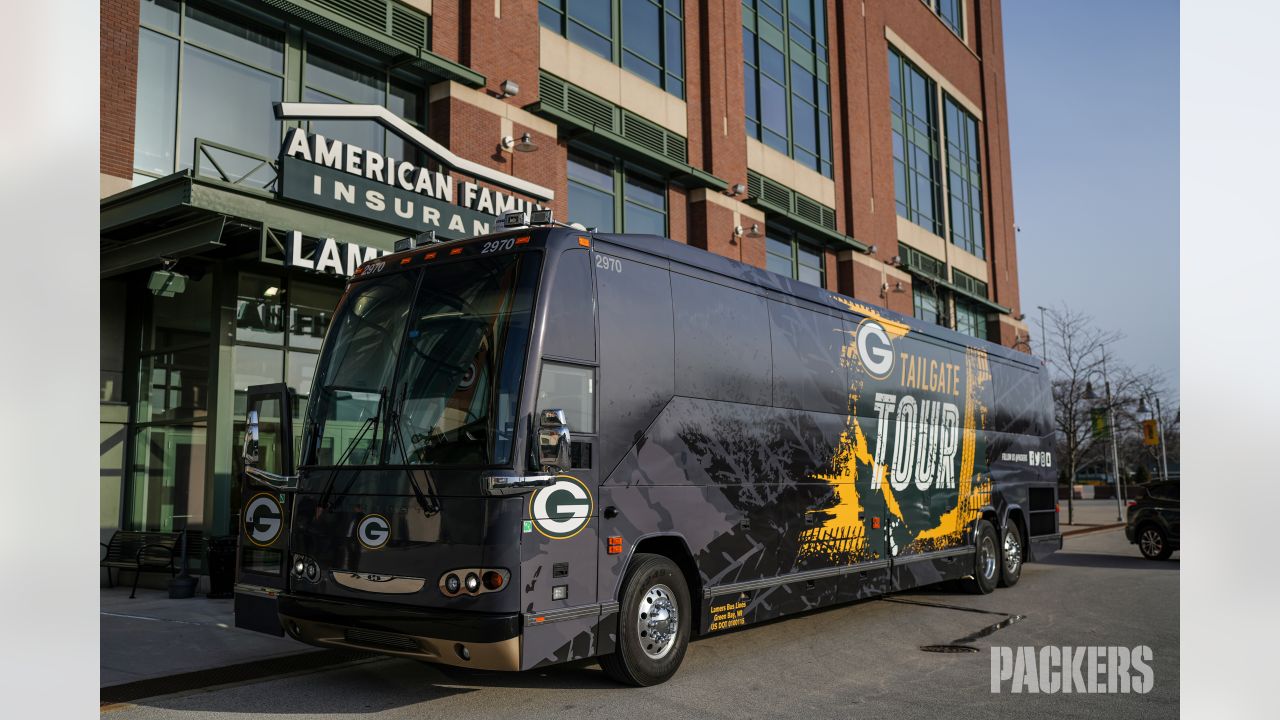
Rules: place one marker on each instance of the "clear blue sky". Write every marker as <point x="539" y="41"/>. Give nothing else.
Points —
<point x="1093" y="119"/>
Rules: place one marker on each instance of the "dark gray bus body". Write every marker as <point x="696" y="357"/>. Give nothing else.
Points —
<point x="788" y="448"/>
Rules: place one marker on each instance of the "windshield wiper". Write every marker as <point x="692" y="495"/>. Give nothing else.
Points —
<point x="393" y="417"/>
<point x="371" y="421"/>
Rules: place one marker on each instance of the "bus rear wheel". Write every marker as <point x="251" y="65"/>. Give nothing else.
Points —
<point x="1011" y="556"/>
<point x="654" y="620"/>
<point x="986" y="559"/>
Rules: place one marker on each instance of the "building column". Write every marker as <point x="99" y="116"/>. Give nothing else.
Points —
<point x="713" y="218"/>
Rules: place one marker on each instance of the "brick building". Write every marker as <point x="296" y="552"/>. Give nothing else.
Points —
<point x="862" y="146"/>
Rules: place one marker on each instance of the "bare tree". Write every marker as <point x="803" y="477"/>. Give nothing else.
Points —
<point x="1077" y="352"/>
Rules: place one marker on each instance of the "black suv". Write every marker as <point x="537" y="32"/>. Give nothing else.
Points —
<point x="1153" y="520"/>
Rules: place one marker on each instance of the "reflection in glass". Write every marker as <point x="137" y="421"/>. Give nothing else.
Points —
<point x="168" y="468"/>
<point x="572" y="389"/>
<point x="157" y="105"/>
<point x="310" y="308"/>
<point x="233" y="106"/>
<point x="259" y="310"/>
<point x="174" y="385"/>
<point x="217" y="29"/>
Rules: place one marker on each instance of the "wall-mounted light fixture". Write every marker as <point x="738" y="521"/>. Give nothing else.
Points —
<point x="885" y="288"/>
<point x="510" y="88"/>
<point x="525" y="144"/>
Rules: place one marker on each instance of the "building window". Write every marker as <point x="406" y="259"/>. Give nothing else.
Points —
<point x="926" y="303"/>
<point x="916" y="175"/>
<point x="964" y="178"/>
<point x="786" y="78"/>
<point x="645" y="37"/>
<point x="951" y="12"/>
<point x="613" y="196"/>
<point x="331" y="76"/>
<point x="971" y="319"/>
<point x="787" y="254"/>
<point x="234" y="63"/>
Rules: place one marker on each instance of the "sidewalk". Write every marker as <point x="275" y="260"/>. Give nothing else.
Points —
<point x="153" y="636"/>
<point x="1089" y="514"/>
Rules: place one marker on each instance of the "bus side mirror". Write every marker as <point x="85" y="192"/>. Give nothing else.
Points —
<point x="553" y="441"/>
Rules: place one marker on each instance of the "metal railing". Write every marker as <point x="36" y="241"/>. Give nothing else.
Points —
<point x="261" y="176"/>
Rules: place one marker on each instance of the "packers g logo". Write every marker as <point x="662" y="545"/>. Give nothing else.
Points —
<point x="263" y="519"/>
<point x="373" y="531"/>
<point x="561" y="510"/>
<point x="875" y="349"/>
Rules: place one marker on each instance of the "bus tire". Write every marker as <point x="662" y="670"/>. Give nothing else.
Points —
<point x="651" y="644"/>
<point x="986" y="559"/>
<point x="1012" y="555"/>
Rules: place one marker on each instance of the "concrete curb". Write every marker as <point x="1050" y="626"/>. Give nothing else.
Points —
<point x="1097" y="528"/>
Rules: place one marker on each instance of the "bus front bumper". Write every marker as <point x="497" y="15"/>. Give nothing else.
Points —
<point x="486" y="641"/>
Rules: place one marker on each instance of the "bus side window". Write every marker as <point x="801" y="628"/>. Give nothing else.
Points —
<point x="571" y="388"/>
<point x="571" y="311"/>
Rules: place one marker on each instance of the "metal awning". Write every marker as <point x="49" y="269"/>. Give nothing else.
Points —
<point x="183" y="214"/>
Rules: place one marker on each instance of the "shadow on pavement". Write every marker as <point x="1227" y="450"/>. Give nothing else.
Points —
<point x="371" y="686"/>
<point x="1107" y="560"/>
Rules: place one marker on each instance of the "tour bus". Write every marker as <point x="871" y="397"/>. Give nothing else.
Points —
<point x="550" y="444"/>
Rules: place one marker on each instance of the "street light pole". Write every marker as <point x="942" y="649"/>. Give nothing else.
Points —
<point x="1164" y="453"/>
<point x="1044" y="353"/>
<point x="1115" y="453"/>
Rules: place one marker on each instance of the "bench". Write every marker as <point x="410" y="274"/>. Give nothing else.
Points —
<point x="146" y="552"/>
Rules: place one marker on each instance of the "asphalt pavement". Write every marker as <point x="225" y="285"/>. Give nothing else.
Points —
<point x="855" y="660"/>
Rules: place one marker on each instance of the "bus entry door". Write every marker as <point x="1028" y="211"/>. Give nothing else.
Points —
<point x="265" y="497"/>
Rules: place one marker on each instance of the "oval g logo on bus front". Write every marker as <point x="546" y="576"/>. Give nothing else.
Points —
<point x="561" y="510"/>
<point x="263" y="519"/>
<point x="875" y="349"/>
<point x="373" y="531"/>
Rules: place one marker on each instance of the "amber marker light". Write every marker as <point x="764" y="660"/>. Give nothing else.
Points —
<point x="429" y="256"/>
<point x="405" y="261"/>
<point x="456" y="251"/>
<point x="523" y="239"/>
<point x="584" y="242"/>
<point x="615" y="544"/>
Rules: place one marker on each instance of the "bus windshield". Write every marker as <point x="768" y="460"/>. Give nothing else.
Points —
<point x="427" y="375"/>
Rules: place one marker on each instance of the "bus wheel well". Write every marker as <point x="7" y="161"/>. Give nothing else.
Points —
<point x="673" y="548"/>
<point x="1015" y="518"/>
<point x="990" y="516"/>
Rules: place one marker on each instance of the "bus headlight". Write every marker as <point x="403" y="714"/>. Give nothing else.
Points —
<point x="452" y="584"/>
<point x="472" y="582"/>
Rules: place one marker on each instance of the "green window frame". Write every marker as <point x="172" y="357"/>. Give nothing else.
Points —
<point x="795" y="255"/>
<point x="971" y="319"/>
<point x="964" y="178"/>
<point x="626" y="197"/>
<point x="258" y="46"/>
<point x="951" y="12"/>
<point x="645" y="37"/>
<point x="927" y="304"/>
<point x="787" y="80"/>
<point x="913" y="107"/>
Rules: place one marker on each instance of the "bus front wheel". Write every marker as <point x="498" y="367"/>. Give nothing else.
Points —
<point x="654" y="620"/>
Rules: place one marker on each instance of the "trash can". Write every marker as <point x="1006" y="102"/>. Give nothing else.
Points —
<point x="222" y="566"/>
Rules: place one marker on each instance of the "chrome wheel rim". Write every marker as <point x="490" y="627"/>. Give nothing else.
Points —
<point x="987" y="557"/>
<point x="1012" y="552"/>
<point x="1151" y="542"/>
<point x="657" y="622"/>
